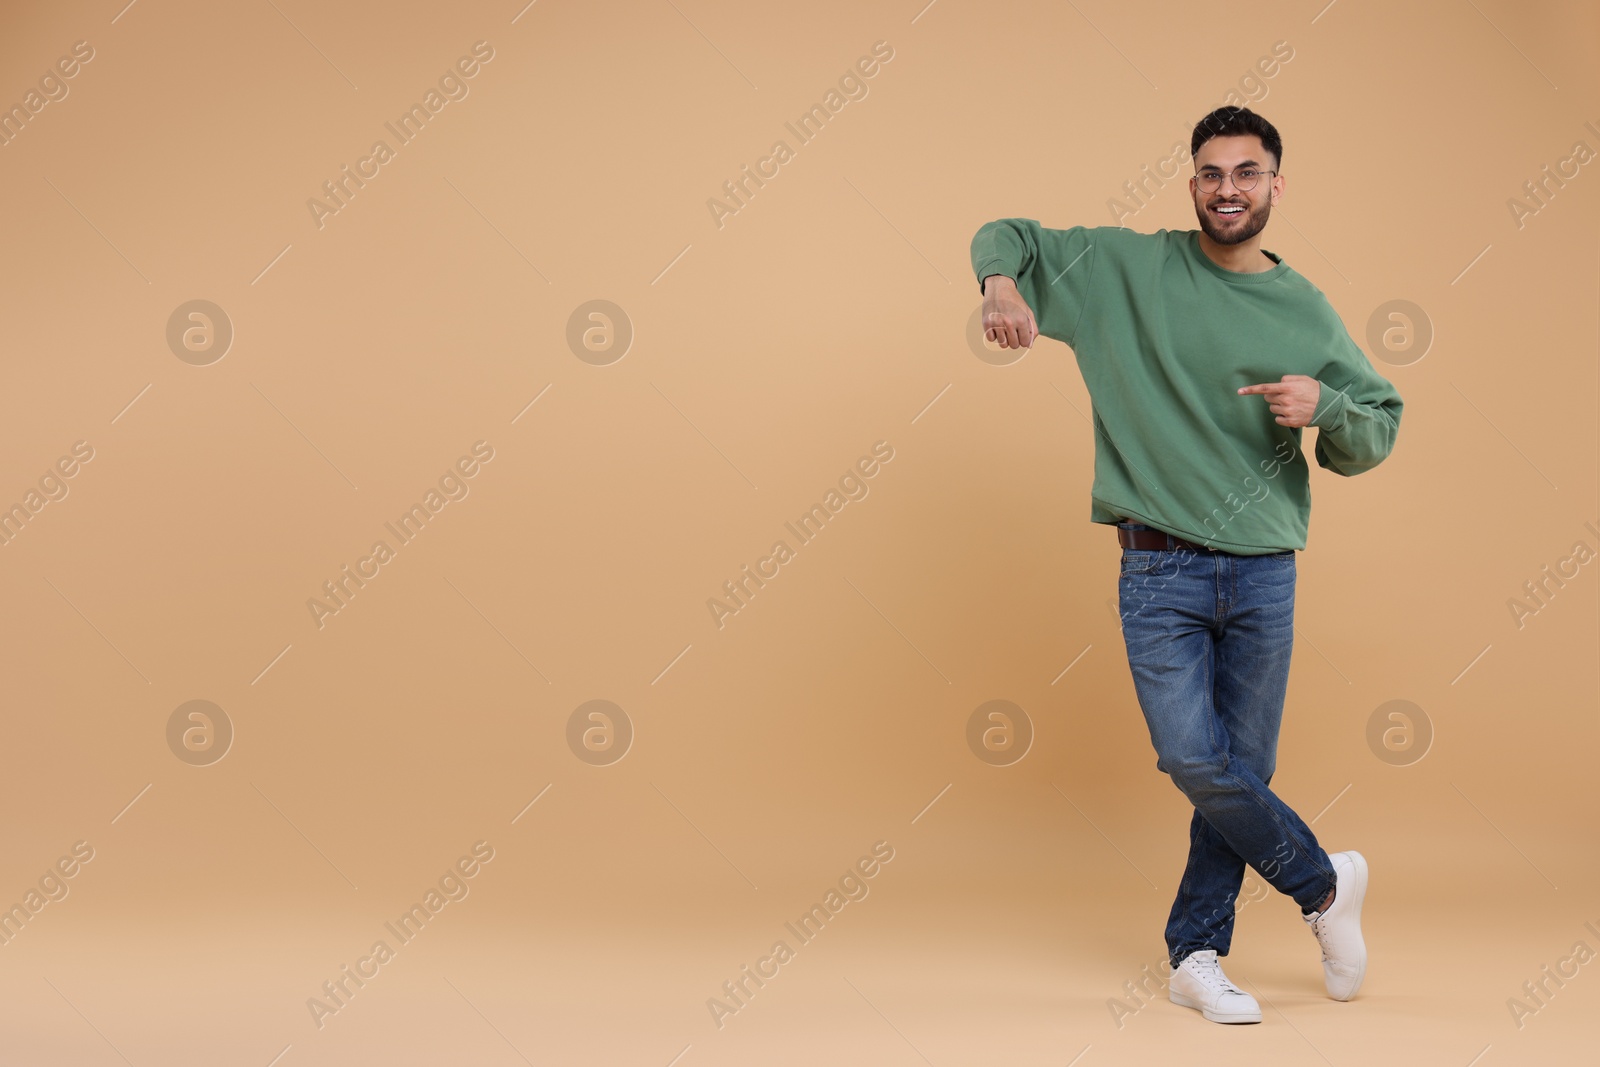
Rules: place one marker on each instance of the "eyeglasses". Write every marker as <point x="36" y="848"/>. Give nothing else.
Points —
<point x="1244" y="179"/>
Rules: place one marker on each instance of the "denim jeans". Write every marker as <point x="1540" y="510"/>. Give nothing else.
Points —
<point x="1209" y="636"/>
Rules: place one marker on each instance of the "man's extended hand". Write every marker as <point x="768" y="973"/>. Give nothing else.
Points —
<point x="1293" y="400"/>
<point x="1007" y="319"/>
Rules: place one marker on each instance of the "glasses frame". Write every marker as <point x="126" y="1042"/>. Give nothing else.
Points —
<point x="1201" y="179"/>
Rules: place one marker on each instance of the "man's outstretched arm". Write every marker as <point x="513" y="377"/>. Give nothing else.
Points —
<point x="1045" y="272"/>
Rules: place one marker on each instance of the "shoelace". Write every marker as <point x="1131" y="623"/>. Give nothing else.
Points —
<point x="1319" y="927"/>
<point x="1209" y="971"/>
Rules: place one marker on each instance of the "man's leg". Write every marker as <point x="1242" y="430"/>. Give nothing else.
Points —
<point x="1250" y="664"/>
<point x="1176" y="610"/>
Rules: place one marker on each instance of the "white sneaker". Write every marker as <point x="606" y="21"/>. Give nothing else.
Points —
<point x="1344" y="953"/>
<point x="1199" y="983"/>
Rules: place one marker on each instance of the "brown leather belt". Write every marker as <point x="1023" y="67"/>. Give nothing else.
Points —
<point x="1157" y="540"/>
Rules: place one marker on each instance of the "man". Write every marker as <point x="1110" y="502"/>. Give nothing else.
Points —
<point x="1181" y="336"/>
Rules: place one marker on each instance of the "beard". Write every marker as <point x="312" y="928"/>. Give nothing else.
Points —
<point x="1241" y="229"/>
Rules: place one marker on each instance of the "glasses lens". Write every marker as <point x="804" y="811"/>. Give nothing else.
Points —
<point x="1244" y="179"/>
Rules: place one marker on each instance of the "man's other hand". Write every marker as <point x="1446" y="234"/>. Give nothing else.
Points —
<point x="1007" y="319"/>
<point x="1293" y="400"/>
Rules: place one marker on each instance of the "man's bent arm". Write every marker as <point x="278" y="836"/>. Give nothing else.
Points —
<point x="1052" y="269"/>
<point x="1356" y="424"/>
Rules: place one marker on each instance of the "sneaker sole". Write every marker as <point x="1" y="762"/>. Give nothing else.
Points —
<point x="1215" y="1016"/>
<point x="1359" y="864"/>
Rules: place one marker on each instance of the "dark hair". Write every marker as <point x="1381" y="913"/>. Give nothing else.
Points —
<point x="1234" y="122"/>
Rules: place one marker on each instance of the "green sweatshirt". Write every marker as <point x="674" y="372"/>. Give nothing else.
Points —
<point x="1164" y="338"/>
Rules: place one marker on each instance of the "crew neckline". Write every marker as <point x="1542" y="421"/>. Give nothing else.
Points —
<point x="1259" y="277"/>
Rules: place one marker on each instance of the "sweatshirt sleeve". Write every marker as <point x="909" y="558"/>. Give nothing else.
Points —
<point x="1358" y="419"/>
<point x="1052" y="269"/>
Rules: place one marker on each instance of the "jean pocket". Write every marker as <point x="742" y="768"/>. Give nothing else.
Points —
<point x="1283" y="557"/>
<point x="1139" y="561"/>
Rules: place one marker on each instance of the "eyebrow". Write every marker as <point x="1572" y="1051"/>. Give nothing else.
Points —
<point x="1246" y="163"/>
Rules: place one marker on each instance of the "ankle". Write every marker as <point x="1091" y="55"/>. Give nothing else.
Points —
<point x="1327" y="902"/>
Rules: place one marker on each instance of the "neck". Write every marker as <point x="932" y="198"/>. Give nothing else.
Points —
<point x="1244" y="258"/>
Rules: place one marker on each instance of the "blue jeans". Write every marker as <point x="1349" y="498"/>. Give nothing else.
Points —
<point x="1209" y="636"/>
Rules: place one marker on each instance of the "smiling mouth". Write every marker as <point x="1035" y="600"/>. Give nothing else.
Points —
<point x="1228" y="211"/>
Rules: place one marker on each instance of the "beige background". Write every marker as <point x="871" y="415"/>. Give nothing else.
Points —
<point x="830" y="313"/>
